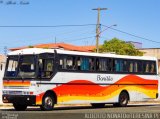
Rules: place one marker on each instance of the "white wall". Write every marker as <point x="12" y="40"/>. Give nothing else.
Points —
<point x="2" y="63"/>
<point x="1" y="78"/>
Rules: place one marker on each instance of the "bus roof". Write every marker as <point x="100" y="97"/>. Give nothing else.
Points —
<point x="29" y="51"/>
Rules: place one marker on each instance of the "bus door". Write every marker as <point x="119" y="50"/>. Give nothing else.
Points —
<point x="45" y="69"/>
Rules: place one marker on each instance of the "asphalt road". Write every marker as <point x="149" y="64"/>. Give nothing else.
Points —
<point x="86" y="112"/>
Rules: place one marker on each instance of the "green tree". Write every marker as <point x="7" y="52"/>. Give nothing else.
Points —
<point x="30" y="46"/>
<point x="120" y="47"/>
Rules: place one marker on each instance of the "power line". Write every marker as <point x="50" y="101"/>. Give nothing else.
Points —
<point x="56" y="36"/>
<point x="58" y="39"/>
<point x="49" y="25"/>
<point x="5" y="50"/>
<point x="77" y="39"/>
<point x="104" y="37"/>
<point x="80" y="34"/>
<point x="70" y="32"/>
<point x="132" y="34"/>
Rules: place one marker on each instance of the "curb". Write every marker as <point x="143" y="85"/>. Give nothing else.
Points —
<point x="69" y="105"/>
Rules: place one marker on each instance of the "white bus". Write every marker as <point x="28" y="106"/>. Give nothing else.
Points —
<point x="46" y="77"/>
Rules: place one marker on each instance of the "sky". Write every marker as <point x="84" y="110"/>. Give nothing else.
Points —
<point x="137" y="17"/>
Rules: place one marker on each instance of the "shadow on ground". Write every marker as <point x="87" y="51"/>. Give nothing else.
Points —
<point x="80" y="107"/>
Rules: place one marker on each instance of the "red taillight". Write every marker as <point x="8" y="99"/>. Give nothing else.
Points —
<point x="31" y="93"/>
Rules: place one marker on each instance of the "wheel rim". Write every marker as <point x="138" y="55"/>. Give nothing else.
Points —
<point x="124" y="99"/>
<point x="48" y="102"/>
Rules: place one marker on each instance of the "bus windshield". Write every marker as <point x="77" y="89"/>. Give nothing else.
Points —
<point x="21" y="67"/>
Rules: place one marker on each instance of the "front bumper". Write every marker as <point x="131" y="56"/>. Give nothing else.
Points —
<point x="20" y="99"/>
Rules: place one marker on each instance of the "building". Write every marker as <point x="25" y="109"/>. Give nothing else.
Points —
<point x="155" y="52"/>
<point x="137" y="45"/>
<point x="60" y="46"/>
<point x="2" y="68"/>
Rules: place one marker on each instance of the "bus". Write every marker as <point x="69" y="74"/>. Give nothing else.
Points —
<point x="45" y="77"/>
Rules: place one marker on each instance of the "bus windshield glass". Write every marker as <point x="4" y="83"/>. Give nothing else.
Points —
<point x="21" y="67"/>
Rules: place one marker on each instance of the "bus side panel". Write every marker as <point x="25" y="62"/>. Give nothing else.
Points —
<point x="75" y="90"/>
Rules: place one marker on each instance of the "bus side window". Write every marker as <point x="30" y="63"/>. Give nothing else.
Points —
<point x="110" y="65"/>
<point x="152" y="67"/>
<point x="71" y="63"/>
<point x="118" y="65"/>
<point x="139" y="68"/>
<point x="60" y="63"/>
<point x="64" y="64"/>
<point x="97" y="64"/>
<point x="130" y="66"/>
<point x="103" y="64"/>
<point x="146" y="67"/>
<point x="78" y="62"/>
<point x="84" y="63"/>
<point x="124" y="66"/>
<point x="135" y="67"/>
<point x="149" y="67"/>
<point x="91" y="64"/>
<point x="40" y="66"/>
<point x="48" y="68"/>
<point x="45" y="68"/>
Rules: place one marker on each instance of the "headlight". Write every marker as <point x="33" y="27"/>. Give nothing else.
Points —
<point x="17" y="93"/>
<point x="25" y="93"/>
<point x="5" y="92"/>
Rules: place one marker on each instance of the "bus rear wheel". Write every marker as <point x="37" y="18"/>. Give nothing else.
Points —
<point x="123" y="100"/>
<point x="98" y="105"/>
<point x="19" y="107"/>
<point x="47" y="102"/>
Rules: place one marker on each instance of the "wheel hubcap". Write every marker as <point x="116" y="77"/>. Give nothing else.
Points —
<point x="48" y="102"/>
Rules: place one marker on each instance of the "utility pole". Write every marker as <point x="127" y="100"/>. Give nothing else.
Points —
<point x="5" y="50"/>
<point x="55" y="40"/>
<point x="98" y="27"/>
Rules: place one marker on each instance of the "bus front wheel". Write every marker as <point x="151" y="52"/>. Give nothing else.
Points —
<point x="47" y="102"/>
<point x="19" y="107"/>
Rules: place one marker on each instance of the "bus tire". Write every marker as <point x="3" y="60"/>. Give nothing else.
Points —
<point x="123" y="99"/>
<point x="19" y="107"/>
<point x="98" y="105"/>
<point x="47" y="102"/>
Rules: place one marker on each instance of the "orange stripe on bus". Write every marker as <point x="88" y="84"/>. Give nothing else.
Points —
<point x="65" y="92"/>
<point x="16" y="83"/>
